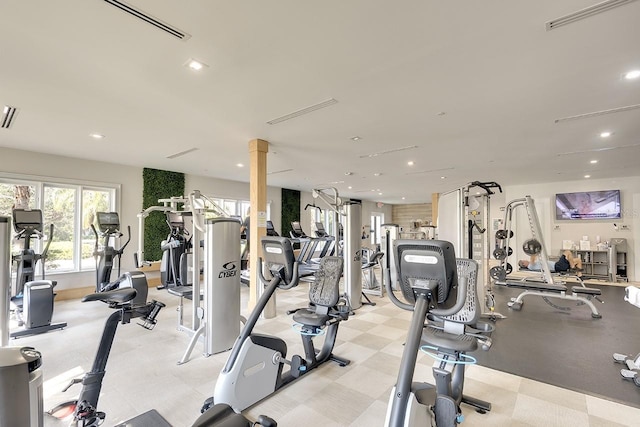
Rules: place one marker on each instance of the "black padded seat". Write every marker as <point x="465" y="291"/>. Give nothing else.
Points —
<point x="222" y="415"/>
<point x="311" y="318"/>
<point x="445" y="341"/>
<point x="583" y="290"/>
<point x="117" y="296"/>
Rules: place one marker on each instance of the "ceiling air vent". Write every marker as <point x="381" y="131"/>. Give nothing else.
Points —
<point x="137" y="13"/>
<point x="8" y="116"/>
<point x="393" y="150"/>
<point x="280" y="171"/>
<point x="597" y="113"/>
<point x="585" y="13"/>
<point x="303" y="111"/>
<point x="181" y="153"/>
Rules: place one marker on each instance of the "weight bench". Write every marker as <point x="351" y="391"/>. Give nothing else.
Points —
<point x="578" y="293"/>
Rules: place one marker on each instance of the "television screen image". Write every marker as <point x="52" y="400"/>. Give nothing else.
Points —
<point x="588" y="205"/>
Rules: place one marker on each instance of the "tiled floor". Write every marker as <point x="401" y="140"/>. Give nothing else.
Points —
<point x="142" y="373"/>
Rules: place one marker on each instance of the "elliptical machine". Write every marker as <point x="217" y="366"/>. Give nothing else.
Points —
<point x="33" y="299"/>
<point x="109" y="226"/>
<point x="176" y="250"/>
<point x="443" y="292"/>
<point x="84" y="410"/>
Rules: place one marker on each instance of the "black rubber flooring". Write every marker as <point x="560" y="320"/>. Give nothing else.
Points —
<point x="567" y="349"/>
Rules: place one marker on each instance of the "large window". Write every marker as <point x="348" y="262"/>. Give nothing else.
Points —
<point x="377" y="219"/>
<point x="238" y="208"/>
<point x="70" y="207"/>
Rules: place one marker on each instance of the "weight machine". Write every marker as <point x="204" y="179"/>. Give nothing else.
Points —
<point x="543" y="284"/>
<point x="463" y="218"/>
<point x="216" y="321"/>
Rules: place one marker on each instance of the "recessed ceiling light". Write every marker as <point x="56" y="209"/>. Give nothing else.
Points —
<point x="195" y="65"/>
<point x="348" y="173"/>
<point x="587" y="176"/>
<point x="240" y="165"/>
<point x="634" y="74"/>
<point x="356" y="138"/>
<point x="593" y="162"/>
<point x="96" y="135"/>
<point x="349" y="187"/>
<point x="377" y="174"/>
<point x="605" y="134"/>
<point x="410" y="163"/>
<point x="442" y="177"/>
<point x="403" y="198"/>
<point x="379" y="194"/>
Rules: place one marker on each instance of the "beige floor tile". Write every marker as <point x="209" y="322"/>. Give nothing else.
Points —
<point x="373" y="416"/>
<point x="383" y="363"/>
<point x="612" y="411"/>
<point x="388" y="332"/>
<point x="374" y="342"/>
<point x="553" y="394"/>
<point x="539" y="412"/>
<point x="491" y="376"/>
<point x="343" y="405"/>
<point x="368" y="381"/>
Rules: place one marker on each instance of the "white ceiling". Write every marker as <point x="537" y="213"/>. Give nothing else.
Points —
<point x="74" y="67"/>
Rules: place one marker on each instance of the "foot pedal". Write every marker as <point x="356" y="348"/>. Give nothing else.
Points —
<point x="619" y="358"/>
<point x="446" y="412"/>
<point x="208" y="403"/>
<point x="297" y="366"/>
<point x="628" y="374"/>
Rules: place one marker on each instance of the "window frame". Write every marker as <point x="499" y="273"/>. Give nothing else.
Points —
<point x="78" y="185"/>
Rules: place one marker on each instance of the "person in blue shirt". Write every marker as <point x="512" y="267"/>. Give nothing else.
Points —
<point x="565" y="263"/>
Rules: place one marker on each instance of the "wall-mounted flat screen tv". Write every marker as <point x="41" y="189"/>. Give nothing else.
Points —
<point x="588" y="205"/>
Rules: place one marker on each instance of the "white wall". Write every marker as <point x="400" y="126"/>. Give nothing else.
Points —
<point x="130" y="203"/>
<point x="555" y="231"/>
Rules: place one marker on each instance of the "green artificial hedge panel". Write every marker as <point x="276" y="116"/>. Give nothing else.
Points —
<point x="158" y="184"/>
<point x="290" y="209"/>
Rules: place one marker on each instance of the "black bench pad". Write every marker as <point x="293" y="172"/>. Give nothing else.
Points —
<point x="533" y="286"/>
<point x="588" y="291"/>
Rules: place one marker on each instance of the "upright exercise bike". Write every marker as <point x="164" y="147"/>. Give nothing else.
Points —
<point x="84" y="410"/>
<point x="33" y="299"/>
<point x="440" y="291"/>
<point x="108" y="228"/>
